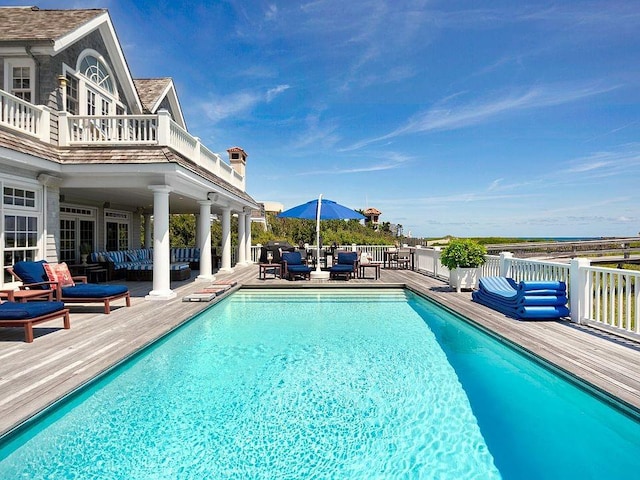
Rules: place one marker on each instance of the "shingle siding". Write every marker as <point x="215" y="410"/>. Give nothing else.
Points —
<point x="51" y="67"/>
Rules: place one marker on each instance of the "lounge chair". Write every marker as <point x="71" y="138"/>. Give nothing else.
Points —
<point x="34" y="273"/>
<point x="27" y="314"/>
<point x="346" y="266"/>
<point x="523" y="300"/>
<point x="293" y="266"/>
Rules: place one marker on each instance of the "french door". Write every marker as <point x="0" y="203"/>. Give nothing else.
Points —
<point x="77" y="231"/>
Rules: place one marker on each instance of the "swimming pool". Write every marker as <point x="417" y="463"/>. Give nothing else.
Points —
<point x="327" y="384"/>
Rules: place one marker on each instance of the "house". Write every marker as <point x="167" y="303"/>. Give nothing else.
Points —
<point x="88" y="154"/>
<point x="372" y="217"/>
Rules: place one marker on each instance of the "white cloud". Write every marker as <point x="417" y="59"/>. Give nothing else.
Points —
<point x="240" y="102"/>
<point x="274" y="92"/>
<point x="452" y="117"/>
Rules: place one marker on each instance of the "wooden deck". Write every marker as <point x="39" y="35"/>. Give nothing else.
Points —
<point x="32" y="376"/>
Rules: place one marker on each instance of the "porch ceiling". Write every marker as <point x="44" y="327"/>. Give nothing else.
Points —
<point x="129" y="189"/>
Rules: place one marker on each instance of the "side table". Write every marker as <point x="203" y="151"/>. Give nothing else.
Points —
<point x="26" y="295"/>
<point x="375" y="266"/>
<point x="274" y="269"/>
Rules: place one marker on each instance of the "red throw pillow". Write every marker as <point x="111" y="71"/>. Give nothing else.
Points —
<point x="59" y="273"/>
<point x="51" y="274"/>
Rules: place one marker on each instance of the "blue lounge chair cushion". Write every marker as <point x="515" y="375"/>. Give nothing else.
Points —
<point x="347" y="258"/>
<point x="342" y="268"/>
<point x="528" y="285"/>
<point x="31" y="272"/>
<point x="298" y="268"/>
<point x="24" y="311"/>
<point x="292" y="258"/>
<point x="93" y="290"/>
<point x="524" y="299"/>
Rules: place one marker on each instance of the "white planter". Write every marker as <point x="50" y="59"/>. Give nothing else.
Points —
<point x="460" y="278"/>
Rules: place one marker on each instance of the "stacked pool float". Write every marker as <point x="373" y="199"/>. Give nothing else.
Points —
<point x="524" y="300"/>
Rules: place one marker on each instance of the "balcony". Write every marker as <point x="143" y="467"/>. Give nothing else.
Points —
<point x="113" y="131"/>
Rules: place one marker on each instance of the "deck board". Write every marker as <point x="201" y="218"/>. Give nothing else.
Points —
<point x="32" y="376"/>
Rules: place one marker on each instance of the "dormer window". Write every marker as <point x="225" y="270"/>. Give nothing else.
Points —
<point x="96" y="71"/>
<point x="92" y="88"/>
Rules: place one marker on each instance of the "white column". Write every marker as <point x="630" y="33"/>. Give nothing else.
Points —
<point x="204" y="240"/>
<point x="197" y="217"/>
<point x="242" y="240"/>
<point x="226" y="241"/>
<point x="161" y="252"/>
<point x="247" y="232"/>
<point x="147" y="231"/>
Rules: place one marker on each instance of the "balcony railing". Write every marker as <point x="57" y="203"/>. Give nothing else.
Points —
<point x="128" y="130"/>
<point x="113" y="130"/>
<point x="21" y="116"/>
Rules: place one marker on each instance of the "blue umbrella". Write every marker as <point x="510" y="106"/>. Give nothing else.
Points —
<point x="321" y="209"/>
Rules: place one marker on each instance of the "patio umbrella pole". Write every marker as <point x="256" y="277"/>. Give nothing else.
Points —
<point x="318" y="273"/>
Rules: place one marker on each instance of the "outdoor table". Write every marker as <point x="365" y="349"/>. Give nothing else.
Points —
<point x="272" y="268"/>
<point x="25" y="295"/>
<point x="376" y="269"/>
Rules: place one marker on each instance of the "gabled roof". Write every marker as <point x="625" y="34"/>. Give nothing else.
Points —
<point x="47" y="32"/>
<point x="33" y="24"/>
<point x="152" y="91"/>
<point x="372" y="211"/>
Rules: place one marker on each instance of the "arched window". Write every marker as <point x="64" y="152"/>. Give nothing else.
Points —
<point x="96" y="71"/>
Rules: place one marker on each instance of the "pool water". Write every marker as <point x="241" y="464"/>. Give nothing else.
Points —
<point x="355" y="384"/>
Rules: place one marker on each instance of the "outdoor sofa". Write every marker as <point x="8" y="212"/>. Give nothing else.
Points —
<point x="137" y="264"/>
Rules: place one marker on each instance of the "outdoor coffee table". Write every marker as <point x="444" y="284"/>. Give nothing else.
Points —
<point x="271" y="268"/>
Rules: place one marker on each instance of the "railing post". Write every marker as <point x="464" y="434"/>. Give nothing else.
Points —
<point x="505" y="263"/>
<point x="63" y="129"/>
<point x="436" y="261"/>
<point x="196" y="151"/>
<point x="164" y="127"/>
<point x="44" y="129"/>
<point x="579" y="294"/>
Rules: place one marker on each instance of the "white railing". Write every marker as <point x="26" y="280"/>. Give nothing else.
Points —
<point x="605" y="298"/>
<point x="127" y="130"/>
<point x="427" y="261"/>
<point x="130" y="129"/>
<point x="611" y="299"/>
<point x="24" y="117"/>
<point x="491" y="268"/>
<point x="522" y="270"/>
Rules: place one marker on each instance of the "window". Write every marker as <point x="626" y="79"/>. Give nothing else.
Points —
<point x="92" y="89"/>
<point x="96" y="71"/>
<point x="20" y="221"/>
<point x="18" y="197"/>
<point x="117" y="228"/>
<point x="19" y="78"/>
<point x="73" y="100"/>
<point x="21" y="83"/>
<point x="91" y="103"/>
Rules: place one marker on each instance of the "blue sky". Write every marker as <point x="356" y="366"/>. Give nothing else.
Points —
<point x="470" y="118"/>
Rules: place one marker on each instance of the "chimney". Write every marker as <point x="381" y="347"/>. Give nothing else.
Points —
<point x="238" y="159"/>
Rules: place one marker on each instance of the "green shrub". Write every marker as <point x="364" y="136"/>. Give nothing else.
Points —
<point x="463" y="253"/>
